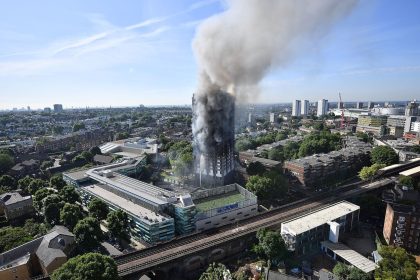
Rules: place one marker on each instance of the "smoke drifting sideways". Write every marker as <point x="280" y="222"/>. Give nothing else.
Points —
<point x="238" y="47"/>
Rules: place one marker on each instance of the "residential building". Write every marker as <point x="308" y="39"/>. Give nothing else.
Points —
<point x="305" y="107"/>
<point x="80" y="140"/>
<point x="322" y="107"/>
<point x="402" y="226"/>
<point x="273" y="118"/>
<point x="58" y="108"/>
<point x="304" y="234"/>
<point x="41" y="256"/>
<point x="412" y="109"/>
<point x="15" y="206"/>
<point x="296" y="108"/>
<point x="214" y="166"/>
<point x="320" y="170"/>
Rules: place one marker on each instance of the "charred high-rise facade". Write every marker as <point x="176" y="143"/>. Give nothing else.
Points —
<point x="214" y="136"/>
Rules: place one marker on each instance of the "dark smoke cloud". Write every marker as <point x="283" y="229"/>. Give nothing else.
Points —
<point x="236" y="49"/>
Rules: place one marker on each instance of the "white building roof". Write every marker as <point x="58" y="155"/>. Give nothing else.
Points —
<point x="411" y="172"/>
<point x="125" y="204"/>
<point x="319" y="218"/>
<point x="350" y="256"/>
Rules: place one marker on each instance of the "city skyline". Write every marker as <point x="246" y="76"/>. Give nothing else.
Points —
<point x="84" y="54"/>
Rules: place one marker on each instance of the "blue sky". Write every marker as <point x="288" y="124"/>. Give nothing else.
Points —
<point x="125" y="53"/>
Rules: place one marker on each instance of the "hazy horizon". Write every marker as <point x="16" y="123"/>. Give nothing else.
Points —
<point x="106" y="54"/>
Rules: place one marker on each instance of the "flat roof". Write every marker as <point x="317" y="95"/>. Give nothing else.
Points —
<point x="77" y="175"/>
<point x="411" y="172"/>
<point x="125" y="204"/>
<point x="315" y="219"/>
<point x="351" y="256"/>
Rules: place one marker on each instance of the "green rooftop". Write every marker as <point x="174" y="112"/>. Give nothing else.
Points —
<point x="206" y="204"/>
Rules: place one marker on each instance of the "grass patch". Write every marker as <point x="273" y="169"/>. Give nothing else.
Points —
<point x="218" y="201"/>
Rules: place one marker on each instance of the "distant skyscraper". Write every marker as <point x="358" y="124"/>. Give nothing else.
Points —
<point x="47" y="110"/>
<point x="322" y="107"/>
<point x="305" y="108"/>
<point x="340" y="105"/>
<point x="58" y="108"/>
<point x="412" y="109"/>
<point x="29" y="108"/>
<point x="296" y="108"/>
<point x="273" y="118"/>
<point x="370" y="105"/>
<point x="251" y="118"/>
<point x="359" y="105"/>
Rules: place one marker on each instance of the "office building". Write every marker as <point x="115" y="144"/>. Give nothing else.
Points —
<point x="58" y="108"/>
<point x="296" y="108"/>
<point x="305" y="108"/>
<point x="371" y="105"/>
<point x="322" y="107"/>
<point x="359" y="105"/>
<point x="304" y="234"/>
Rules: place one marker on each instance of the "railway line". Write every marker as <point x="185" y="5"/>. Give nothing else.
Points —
<point x="141" y="261"/>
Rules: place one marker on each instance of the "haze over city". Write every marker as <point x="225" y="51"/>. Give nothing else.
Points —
<point x="112" y="54"/>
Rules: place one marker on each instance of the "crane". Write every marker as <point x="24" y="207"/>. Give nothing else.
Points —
<point x="342" y="112"/>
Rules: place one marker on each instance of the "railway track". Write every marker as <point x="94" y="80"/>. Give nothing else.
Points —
<point x="167" y="252"/>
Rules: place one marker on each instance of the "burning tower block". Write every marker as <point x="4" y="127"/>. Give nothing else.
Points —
<point x="213" y="128"/>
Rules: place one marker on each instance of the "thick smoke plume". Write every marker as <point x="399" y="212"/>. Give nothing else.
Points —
<point x="236" y="49"/>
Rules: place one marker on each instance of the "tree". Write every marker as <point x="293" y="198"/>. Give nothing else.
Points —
<point x="8" y="181"/>
<point x="406" y="181"/>
<point x="216" y="272"/>
<point x="88" y="233"/>
<point x="95" y="151"/>
<point x="70" y="214"/>
<point x="118" y="224"/>
<point x="396" y="264"/>
<point x="34" y="229"/>
<point x="344" y="272"/>
<point x="276" y="154"/>
<point x="270" y="244"/>
<point x="38" y="198"/>
<point x="52" y="205"/>
<point x="69" y="194"/>
<point x="11" y="237"/>
<point x="259" y="185"/>
<point x="88" y="156"/>
<point x="122" y="135"/>
<point x="6" y="162"/>
<point x="78" y="126"/>
<point x="24" y="182"/>
<point x="57" y="182"/>
<point x="87" y="267"/>
<point x="368" y="172"/>
<point x="255" y="168"/>
<point x="384" y="155"/>
<point x="98" y="209"/>
<point x="35" y="185"/>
